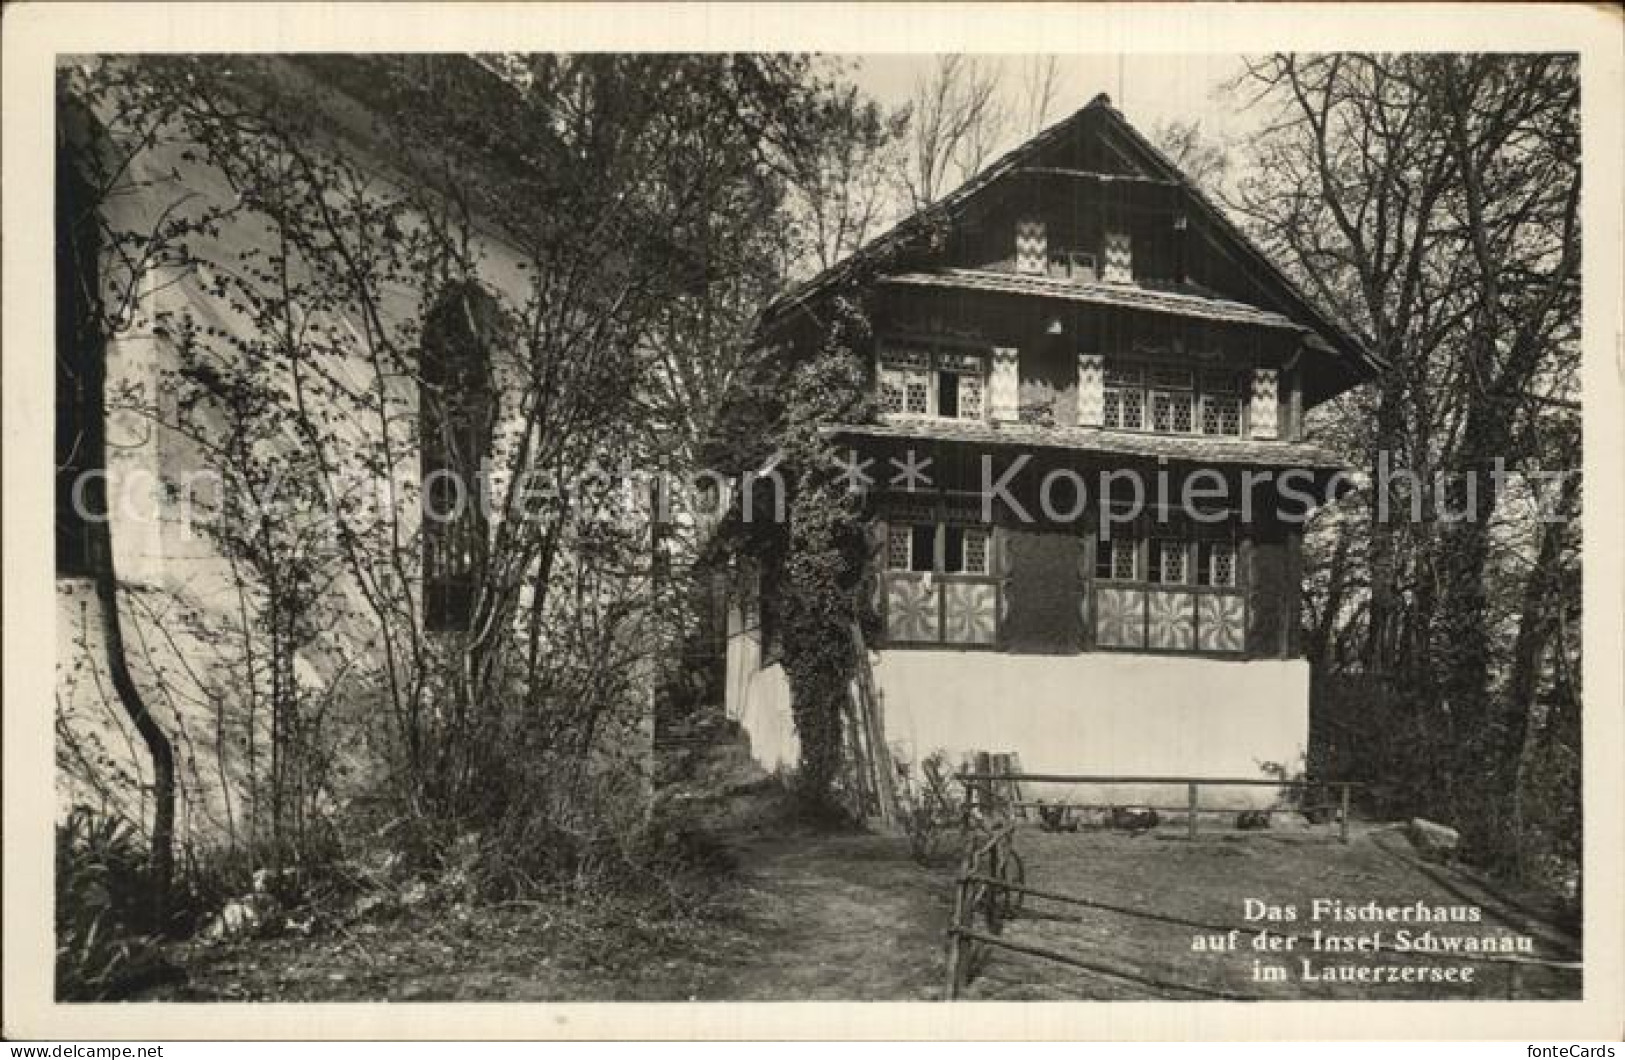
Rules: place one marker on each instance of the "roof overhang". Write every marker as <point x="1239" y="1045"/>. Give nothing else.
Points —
<point x="1237" y="452"/>
<point x="1124" y="296"/>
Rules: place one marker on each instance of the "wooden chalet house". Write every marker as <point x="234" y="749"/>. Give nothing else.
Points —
<point x="1079" y="314"/>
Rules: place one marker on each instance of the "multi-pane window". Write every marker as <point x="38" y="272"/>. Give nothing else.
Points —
<point x="1170" y="400"/>
<point x="1167" y="562"/>
<point x="1117" y="559"/>
<point x="975" y="556"/>
<point x="905" y="381"/>
<point x="1168" y="593"/>
<point x="457" y="418"/>
<point x="939" y="587"/>
<point x="1221" y="403"/>
<point x="899" y="547"/>
<point x="1216" y="563"/>
<point x="964" y="550"/>
<point x="913" y="547"/>
<point x="1124" y="397"/>
<point x="921" y="382"/>
<point x="1075" y="265"/>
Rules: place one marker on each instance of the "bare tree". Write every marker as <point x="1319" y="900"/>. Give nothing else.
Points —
<point x="1040" y="82"/>
<point x="956" y="119"/>
<point x="842" y="185"/>
<point x="1201" y="158"/>
<point x="1431" y="201"/>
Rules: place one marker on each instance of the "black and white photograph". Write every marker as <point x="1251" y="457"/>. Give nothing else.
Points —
<point x="799" y="524"/>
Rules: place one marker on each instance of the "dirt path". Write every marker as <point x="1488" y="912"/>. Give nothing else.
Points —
<point x="815" y="916"/>
<point x="835" y="918"/>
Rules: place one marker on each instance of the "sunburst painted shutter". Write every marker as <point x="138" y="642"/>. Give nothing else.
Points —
<point x="1265" y="410"/>
<point x="1004" y="388"/>
<point x="1091" y="389"/>
<point x="1032" y="248"/>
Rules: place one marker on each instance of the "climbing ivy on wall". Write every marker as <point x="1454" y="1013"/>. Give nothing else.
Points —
<point x="815" y="562"/>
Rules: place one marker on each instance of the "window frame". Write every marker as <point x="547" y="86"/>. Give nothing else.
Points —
<point x="906" y="530"/>
<point x="942" y="513"/>
<point x="458" y="413"/>
<point x="927" y="362"/>
<point x="1067" y="263"/>
<point x="1148" y="392"/>
<point x="1144" y="536"/>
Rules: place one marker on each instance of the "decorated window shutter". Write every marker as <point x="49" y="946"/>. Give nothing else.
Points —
<point x="1004" y="386"/>
<point x="1119" y="264"/>
<point x="1032" y="248"/>
<point x="1265" y="404"/>
<point x="1091" y="389"/>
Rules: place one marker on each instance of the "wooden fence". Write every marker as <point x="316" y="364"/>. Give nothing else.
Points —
<point x="992" y="887"/>
<point x="981" y="792"/>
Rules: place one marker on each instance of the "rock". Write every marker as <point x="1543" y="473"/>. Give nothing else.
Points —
<point x="415" y="894"/>
<point x="1287" y="821"/>
<point x="1433" y="841"/>
<point x="1134" y="819"/>
<point x="1253" y="820"/>
<point x="238" y="918"/>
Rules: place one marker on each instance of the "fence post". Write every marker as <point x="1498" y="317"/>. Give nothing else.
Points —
<point x="951" y="991"/>
<point x="1343" y="830"/>
<point x="1190" y="821"/>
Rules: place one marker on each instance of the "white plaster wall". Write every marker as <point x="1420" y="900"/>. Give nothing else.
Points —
<point x="758" y="698"/>
<point x="181" y="612"/>
<point x="1090" y="714"/>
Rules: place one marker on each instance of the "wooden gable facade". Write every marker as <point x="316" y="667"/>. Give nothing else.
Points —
<point x="1078" y="319"/>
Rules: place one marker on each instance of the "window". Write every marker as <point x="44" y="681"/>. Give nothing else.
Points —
<point x="1216" y="564"/>
<point x="1123" y="398"/>
<point x="913" y="547"/>
<point x="79" y="367"/>
<point x="918" y="382"/>
<point x="1167" y="562"/>
<point x="922" y="552"/>
<point x="964" y="550"/>
<point x="898" y="547"/>
<point x="456" y="417"/>
<point x="1117" y="559"/>
<point x="1075" y="265"/>
<point x="1171" y="400"/>
<point x="1221" y="403"/>
<point x="939" y="587"/>
<point x="975" y="552"/>
<point x="1186" y="600"/>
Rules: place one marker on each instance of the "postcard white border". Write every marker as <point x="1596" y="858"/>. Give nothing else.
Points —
<point x="35" y="34"/>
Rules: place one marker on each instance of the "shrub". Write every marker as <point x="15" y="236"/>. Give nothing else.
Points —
<point x="930" y="814"/>
<point x="106" y="939"/>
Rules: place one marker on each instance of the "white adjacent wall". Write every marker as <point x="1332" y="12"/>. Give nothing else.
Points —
<point x="1097" y="713"/>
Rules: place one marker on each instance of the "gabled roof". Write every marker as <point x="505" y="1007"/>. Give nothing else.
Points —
<point x="1348" y="350"/>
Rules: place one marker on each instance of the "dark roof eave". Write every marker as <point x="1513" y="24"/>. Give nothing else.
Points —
<point x="1094" y="440"/>
<point x="1123" y="296"/>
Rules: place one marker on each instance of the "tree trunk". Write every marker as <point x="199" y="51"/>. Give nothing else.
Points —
<point x="153" y="736"/>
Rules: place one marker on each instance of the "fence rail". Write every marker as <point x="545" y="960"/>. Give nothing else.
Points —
<point x="992" y="883"/>
<point x="981" y="787"/>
